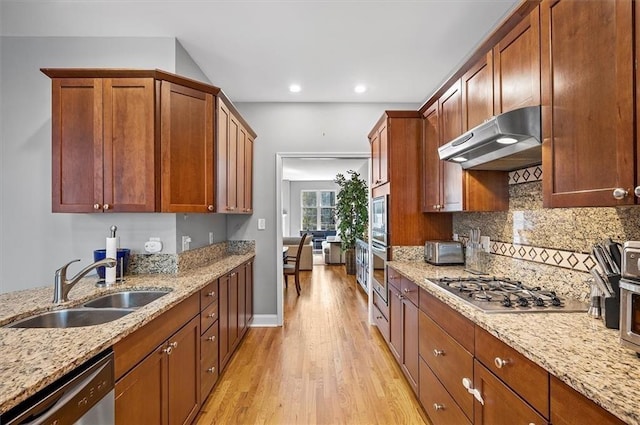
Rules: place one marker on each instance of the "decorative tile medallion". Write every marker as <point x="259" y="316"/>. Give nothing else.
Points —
<point x="526" y="175"/>
<point x="577" y="261"/>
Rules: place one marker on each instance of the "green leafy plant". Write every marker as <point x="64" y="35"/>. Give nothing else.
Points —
<point x="351" y="208"/>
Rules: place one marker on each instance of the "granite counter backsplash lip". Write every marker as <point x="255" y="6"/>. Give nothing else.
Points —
<point x="31" y="359"/>
<point x="577" y="349"/>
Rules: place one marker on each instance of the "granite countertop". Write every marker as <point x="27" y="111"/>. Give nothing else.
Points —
<point x="574" y="347"/>
<point x="30" y="359"/>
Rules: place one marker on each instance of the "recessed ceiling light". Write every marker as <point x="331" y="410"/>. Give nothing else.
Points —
<point x="507" y="140"/>
<point x="295" y="88"/>
<point x="360" y="88"/>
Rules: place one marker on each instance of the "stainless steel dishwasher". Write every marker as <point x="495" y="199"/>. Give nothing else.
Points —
<point x="84" y="397"/>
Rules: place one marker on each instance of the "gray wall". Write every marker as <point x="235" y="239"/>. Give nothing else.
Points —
<point x="293" y="127"/>
<point x="286" y="201"/>
<point x="33" y="241"/>
<point x="197" y="227"/>
<point x="295" y="209"/>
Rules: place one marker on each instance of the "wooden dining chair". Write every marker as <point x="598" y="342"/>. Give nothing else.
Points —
<point x="291" y="265"/>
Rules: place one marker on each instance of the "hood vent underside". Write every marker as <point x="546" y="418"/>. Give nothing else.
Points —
<point x="506" y="142"/>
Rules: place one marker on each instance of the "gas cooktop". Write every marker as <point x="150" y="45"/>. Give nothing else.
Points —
<point x="504" y="295"/>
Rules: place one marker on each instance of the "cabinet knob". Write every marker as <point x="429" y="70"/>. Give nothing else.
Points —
<point x="620" y="193"/>
<point x="211" y="338"/>
<point x="636" y="191"/>
<point x="406" y="290"/>
<point x="96" y="206"/>
<point x="438" y="353"/>
<point x="210" y="208"/>
<point x="400" y="297"/>
<point x="500" y="363"/>
<point x="211" y="370"/>
<point x="167" y="350"/>
<point x="211" y="294"/>
<point x="211" y="316"/>
<point x="106" y="207"/>
<point x="438" y="406"/>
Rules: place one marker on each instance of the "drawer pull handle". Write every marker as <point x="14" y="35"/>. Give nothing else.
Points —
<point x="211" y="338"/>
<point x="406" y="290"/>
<point x="500" y="363"/>
<point x="466" y="382"/>
<point x="211" y="316"/>
<point x="211" y="370"/>
<point x="379" y="317"/>
<point x="438" y="406"/>
<point x="438" y="352"/>
<point x="211" y="294"/>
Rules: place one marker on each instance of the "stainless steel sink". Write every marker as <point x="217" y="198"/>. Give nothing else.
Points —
<point x="126" y="299"/>
<point x="71" y="318"/>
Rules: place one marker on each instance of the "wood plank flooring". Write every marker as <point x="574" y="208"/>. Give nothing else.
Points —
<point x="326" y="365"/>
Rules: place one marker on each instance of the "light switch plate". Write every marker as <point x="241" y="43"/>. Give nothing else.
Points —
<point x="262" y="224"/>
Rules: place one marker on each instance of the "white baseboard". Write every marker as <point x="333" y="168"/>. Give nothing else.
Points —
<point x="264" y="321"/>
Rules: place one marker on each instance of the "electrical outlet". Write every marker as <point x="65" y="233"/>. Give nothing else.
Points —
<point x="485" y="242"/>
<point x="210" y="238"/>
<point x="186" y="240"/>
<point x="262" y="224"/>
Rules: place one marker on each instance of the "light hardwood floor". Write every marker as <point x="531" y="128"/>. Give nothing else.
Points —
<point x="326" y="365"/>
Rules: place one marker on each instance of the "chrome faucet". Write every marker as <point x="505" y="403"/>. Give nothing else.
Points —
<point x="62" y="286"/>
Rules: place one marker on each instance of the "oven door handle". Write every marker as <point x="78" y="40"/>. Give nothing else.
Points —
<point x="380" y="249"/>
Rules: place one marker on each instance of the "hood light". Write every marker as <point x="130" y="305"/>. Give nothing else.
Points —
<point x="507" y="140"/>
<point x="459" y="159"/>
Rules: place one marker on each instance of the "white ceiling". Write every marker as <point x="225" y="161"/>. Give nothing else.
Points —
<point x="322" y="169"/>
<point x="402" y="50"/>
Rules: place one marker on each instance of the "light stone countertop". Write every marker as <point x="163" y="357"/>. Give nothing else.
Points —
<point x="30" y="359"/>
<point x="574" y="347"/>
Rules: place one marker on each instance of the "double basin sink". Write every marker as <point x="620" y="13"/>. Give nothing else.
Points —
<point x="103" y="309"/>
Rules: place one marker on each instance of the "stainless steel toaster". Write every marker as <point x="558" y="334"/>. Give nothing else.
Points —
<point x="443" y="252"/>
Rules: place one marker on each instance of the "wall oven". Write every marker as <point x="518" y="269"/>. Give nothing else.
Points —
<point x="379" y="223"/>
<point x="379" y="276"/>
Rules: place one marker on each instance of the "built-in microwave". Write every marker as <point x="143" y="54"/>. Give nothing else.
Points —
<point x="379" y="220"/>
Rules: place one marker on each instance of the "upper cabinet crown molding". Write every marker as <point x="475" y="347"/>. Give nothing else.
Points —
<point x="128" y="140"/>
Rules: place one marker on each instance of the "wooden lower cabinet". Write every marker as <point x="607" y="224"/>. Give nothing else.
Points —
<point x="501" y="406"/>
<point x="209" y="370"/>
<point x="165" y="387"/>
<point x="437" y="402"/>
<point x="395" y="323"/>
<point x="569" y="407"/>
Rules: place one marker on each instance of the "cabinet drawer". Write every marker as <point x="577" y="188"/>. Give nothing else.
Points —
<point x="381" y="305"/>
<point x="208" y="316"/>
<point x="437" y="402"/>
<point x="452" y="322"/>
<point x="522" y="375"/>
<point x="570" y="407"/>
<point x="448" y="360"/>
<point x="394" y="278"/>
<point x="209" y="294"/>
<point x="381" y="322"/>
<point x="409" y="290"/>
<point x="208" y="361"/>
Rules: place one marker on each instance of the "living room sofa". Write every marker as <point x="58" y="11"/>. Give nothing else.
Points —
<point x="306" y="257"/>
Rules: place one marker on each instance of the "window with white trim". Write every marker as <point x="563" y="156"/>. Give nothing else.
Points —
<point x="318" y="209"/>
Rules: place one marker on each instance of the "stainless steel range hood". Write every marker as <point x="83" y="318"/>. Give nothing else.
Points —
<point x="506" y="142"/>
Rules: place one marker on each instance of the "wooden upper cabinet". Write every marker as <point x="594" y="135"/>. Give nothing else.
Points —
<point x="450" y="128"/>
<point x="103" y="145"/>
<point x="379" y="140"/>
<point x="477" y="93"/>
<point x="187" y="149"/>
<point x="432" y="166"/>
<point x="587" y="102"/>
<point x="516" y="66"/>
<point x="234" y="163"/>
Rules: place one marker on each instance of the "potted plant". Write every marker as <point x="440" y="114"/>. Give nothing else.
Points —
<point x="352" y="214"/>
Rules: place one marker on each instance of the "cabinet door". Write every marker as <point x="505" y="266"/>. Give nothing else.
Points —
<point x="232" y="164"/>
<point x="143" y="386"/>
<point x="410" y="343"/>
<point x="450" y="128"/>
<point x="570" y="407"/>
<point x="248" y="174"/>
<point x="129" y="145"/>
<point x="222" y="147"/>
<point x="223" y="321"/>
<point x="395" y="323"/>
<point x="587" y="102"/>
<point x="242" y="300"/>
<point x="248" y="309"/>
<point x="501" y="405"/>
<point x="184" y="373"/>
<point x="437" y="402"/>
<point x="77" y="155"/>
<point x="187" y="149"/>
<point x="234" y="331"/>
<point x="375" y="159"/>
<point x="477" y="93"/>
<point x="516" y="66"/>
<point x="432" y="166"/>
<point x="384" y="153"/>
<point x="240" y="161"/>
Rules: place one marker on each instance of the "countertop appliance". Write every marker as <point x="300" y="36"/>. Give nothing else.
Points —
<point x="82" y="397"/>
<point x="443" y="252"/>
<point x="630" y="296"/>
<point x="506" y="142"/>
<point x="504" y="295"/>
